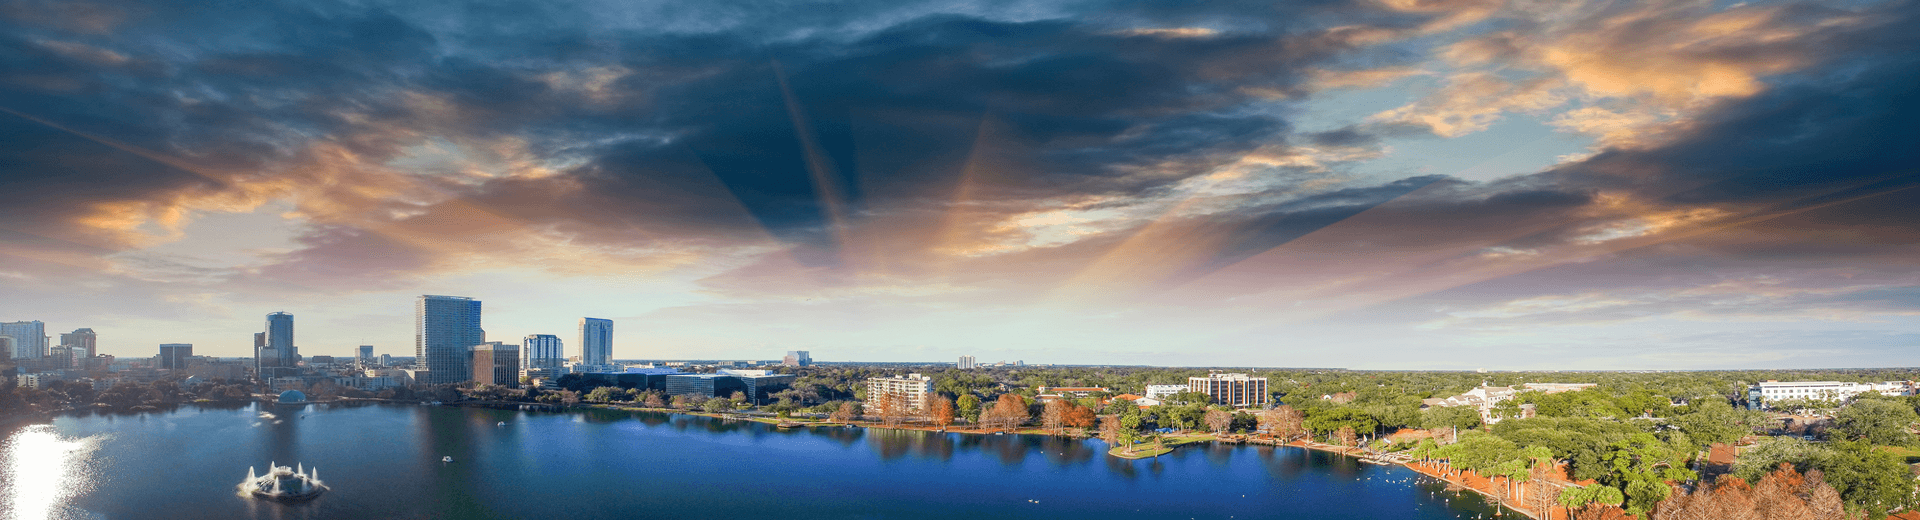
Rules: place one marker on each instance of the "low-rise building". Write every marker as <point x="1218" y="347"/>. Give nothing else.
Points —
<point x="1164" y="391"/>
<point x="1484" y="398"/>
<point x="1773" y="391"/>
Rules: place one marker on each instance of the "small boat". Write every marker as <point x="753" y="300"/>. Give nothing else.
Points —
<point x="448" y="458"/>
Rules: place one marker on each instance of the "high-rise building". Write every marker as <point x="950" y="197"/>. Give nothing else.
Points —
<point x="29" y="338"/>
<point x="1231" y="389"/>
<point x="366" y="354"/>
<point x="6" y="349"/>
<point x="797" y="358"/>
<point x="496" y="363"/>
<point x="543" y="352"/>
<point x="273" y="352"/>
<point x="280" y="338"/>
<point x="445" y="330"/>
<point x="596" y="341"/>
<point x="914" y="388"/>
<point x="58" y="358"/>
<point x="966" y="363"/>
<point x="83" y="339"/>
<point x="174" y="355"/>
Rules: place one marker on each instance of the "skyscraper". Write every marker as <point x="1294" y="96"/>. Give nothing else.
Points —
<point x="29" y="338"/>
<point x="797" y="358"/>
<point x="967" y="363"/>
<point x="83" y="339"/>
<point x="596" y="341"/>
<point x="543" y="352"/>
<point x="280" y="338"/>
<point x="6" y="349"/>
<point x="273" y="352"/>
<point x="445" y="330"/>
<point x="366" y="354"/>
<point x="174" y="355"/>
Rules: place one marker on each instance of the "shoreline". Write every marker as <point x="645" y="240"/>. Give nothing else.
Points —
<point x="1416" y="467"/>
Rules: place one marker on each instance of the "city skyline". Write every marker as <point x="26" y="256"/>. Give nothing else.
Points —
<point x="1371" y="185"/>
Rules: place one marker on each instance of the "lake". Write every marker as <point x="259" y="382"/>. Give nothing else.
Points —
<point x="384" y="461"/>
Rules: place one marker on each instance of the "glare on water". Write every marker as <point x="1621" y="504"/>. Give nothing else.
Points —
<point x="43" y="471"/>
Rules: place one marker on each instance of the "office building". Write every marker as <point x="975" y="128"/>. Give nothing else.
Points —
<point x="545" y="353"/>
<point x="797" y="358"/>
<point x="445" y="330"/>
<point x="273" y="352"/>
<point x="915" y="388"/>
<point x="6" y="349"/>
<point x="759" y="383"/>
<point x="966" y="363"/>
<point x="596" y="341"/>
<point x="29" y="338"/>
<point x="174" y="355"/>
<point x="1239" y="390"/>
<point x="704" y="386"/>
<point x="365" y="354"/>
<point x="496" y="363"/>
<point x="84" y="340"/>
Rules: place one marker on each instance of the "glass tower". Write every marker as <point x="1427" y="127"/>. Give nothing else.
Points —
<point x="445" y="330"/>
<point x="596" y="341"/>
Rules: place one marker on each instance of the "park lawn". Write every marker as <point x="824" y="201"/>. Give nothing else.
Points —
<point x="1167" y="444"/>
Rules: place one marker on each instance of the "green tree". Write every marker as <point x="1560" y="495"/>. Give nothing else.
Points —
<point x="1327" y="420"/>
<point x="1877" y="421"/>
<point x="969" y="405"/>
<point x="604" y="394"/>
<point x="1868" y="479"/>
<point x="1713" y="421"/>
<point x="717" y="404"/>
<point x="1449" y="417"/>
<point x="1640" y="466"/>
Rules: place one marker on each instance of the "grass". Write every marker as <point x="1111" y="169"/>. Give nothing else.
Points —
<point x="1911" y="455"/>
<point x="1165" y="445"/>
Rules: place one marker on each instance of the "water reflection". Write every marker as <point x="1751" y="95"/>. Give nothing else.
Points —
<point x="44" y="472"/>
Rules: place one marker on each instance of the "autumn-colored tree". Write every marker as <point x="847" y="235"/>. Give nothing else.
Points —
<point x="655" y="400"/>
<point x="1110" y="430"/>
<point x="1080" y="417"/>
<point x="1008" y="413"/>
<point x="1345" y="436"/>
<point x="1284" y="422"/>
<point x="1219" y="421"/>
<point x="941" y="411"/>
<point x="1781" y="494"/>
<point x="1054" y="416"/>
<point x="892" y="409"/>
<point x="845" y="414"/>
<point x="682" y="401"/>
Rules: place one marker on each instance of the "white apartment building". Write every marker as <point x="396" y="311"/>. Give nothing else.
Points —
<point x="917" y="389"/>
<point x="1164" y="391"/>
<point x="1771" y="391"/>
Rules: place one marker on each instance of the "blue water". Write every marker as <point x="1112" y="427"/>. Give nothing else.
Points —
<point x="384" y="461"/>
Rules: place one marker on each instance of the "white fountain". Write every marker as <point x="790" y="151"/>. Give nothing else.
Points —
<point x="284" y="483"/>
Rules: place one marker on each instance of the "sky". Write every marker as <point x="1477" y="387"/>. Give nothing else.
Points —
<point x="1369" y="184"/>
